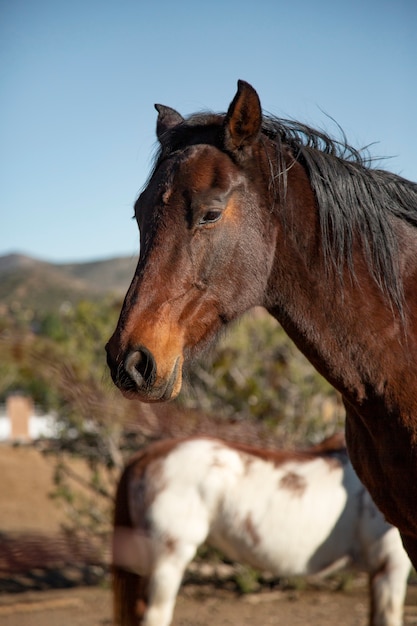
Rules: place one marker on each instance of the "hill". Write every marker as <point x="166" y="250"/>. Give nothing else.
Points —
<point x="28" y="283"/>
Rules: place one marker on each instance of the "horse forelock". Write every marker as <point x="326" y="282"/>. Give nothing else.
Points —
<point x="204" y="128"/>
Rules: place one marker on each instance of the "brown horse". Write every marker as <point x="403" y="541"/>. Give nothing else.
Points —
<point x="243" y="209"/>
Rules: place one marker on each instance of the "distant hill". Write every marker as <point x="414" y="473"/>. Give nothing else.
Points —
<point x="28" y="283"/>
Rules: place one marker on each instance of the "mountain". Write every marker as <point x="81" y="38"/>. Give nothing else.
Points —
<point x="28" y="283"/>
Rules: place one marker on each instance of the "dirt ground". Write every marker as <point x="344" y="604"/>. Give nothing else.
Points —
<point x="26" y="481"/>
<point x="200" y="607"/>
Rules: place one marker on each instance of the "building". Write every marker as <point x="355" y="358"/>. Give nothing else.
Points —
<point x="21" y="422"/>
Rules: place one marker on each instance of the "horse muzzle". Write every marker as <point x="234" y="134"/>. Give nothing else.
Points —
<point x="136" y="375"/>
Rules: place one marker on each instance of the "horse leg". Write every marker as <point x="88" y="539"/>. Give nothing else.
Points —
<point x="388" y="580"/>
<point x="387" y="563"/>
<point x="388" y="587"/>
<point x="163" y="586"/>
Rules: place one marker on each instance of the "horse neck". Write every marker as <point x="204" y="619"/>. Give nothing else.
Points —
<point x="319" y="312"/>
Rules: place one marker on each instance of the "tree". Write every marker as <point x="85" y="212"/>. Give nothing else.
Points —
<point x="257" y="373"/>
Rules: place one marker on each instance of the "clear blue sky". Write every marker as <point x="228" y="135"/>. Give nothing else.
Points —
<point x="79" y="80"/>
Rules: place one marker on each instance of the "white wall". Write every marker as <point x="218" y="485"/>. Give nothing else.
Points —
<point x="39" y="426"/>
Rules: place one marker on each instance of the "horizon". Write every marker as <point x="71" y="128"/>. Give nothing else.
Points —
<point x="22" y="256"/>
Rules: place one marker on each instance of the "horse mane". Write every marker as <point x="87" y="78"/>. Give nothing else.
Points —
<point x="353" y="198"/>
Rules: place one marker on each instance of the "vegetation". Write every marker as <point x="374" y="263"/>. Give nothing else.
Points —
<point x="257" y="373"/>
<point x="255" y="386"/>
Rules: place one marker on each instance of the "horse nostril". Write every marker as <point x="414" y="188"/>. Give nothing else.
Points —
<point x="141" y="367"/>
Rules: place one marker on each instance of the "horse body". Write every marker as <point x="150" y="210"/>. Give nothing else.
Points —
<point x="242" y="210"/>
<point x="291" y="513"/>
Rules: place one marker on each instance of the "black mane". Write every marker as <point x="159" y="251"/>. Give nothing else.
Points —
<point x="353" y="198"/>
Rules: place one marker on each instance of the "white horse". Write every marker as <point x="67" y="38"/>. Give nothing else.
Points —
<point x="288" y="512"/>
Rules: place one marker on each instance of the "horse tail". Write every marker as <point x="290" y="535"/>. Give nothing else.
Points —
<point x="129" y="588"/>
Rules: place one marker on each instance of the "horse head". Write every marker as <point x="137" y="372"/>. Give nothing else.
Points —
<point x="206" y="248"/>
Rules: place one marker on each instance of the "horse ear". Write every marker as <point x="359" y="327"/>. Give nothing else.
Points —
<point x="167" y="119"/>
<point x="243" y="120"/>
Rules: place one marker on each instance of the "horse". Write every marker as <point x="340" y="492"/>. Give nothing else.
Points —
<point x="244" y="209"/>
<point x="289" y="512"/>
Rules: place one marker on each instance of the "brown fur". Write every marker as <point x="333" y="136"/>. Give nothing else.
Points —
<point x="294" y="483"/>
<point x="251" y="529"/>
<point x="126" y="585"/>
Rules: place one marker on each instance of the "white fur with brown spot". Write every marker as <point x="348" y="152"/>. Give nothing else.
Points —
<point x="292" y="513"/>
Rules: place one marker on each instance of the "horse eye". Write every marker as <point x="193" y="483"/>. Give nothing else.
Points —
<point x="210" y="217"/>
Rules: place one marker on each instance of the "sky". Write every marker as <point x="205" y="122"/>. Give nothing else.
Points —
<point x="78" y="81"/>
